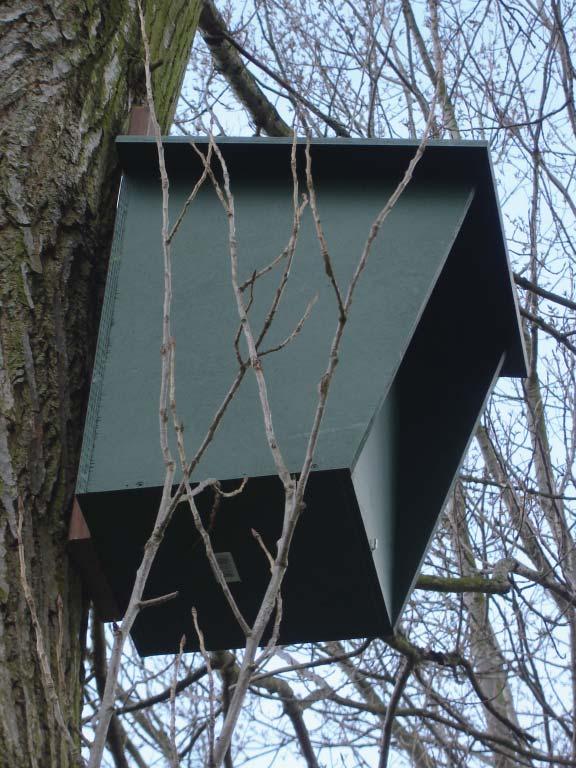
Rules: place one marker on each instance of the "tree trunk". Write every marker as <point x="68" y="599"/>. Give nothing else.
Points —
<point x="69" y="73"/>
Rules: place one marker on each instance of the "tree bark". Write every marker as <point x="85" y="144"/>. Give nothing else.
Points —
<point x="69" y="73"/>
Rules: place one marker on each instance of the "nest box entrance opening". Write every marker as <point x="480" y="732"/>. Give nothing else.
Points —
<point x="433" y="325"/>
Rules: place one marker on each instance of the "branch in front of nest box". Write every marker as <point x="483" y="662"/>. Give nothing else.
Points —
<point x="294" y="490"/>
<point x="297" y="218"/>
<point x="226" y="198"/>
<point x="271" y="644"/>
<point x="320" y="236"/>
<point x="211" y="555"/>
<point x="296" y="330"/>
<point x="298" y="208"/>
<point x="106" y="709"/>
<point x="191" y="197"/>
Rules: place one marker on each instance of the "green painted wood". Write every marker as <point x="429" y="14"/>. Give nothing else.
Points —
<point x="330" y="590"/>
<point x="407" y="466"/>
<point x="406" y="261"/>
<point x="344" y="159"/>
<point x="433" y="324"/>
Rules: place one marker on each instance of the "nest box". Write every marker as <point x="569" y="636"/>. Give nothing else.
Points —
<point x="433" y="325"/>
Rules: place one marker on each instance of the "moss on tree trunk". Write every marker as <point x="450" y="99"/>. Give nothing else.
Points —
<point x="69" y="74"/>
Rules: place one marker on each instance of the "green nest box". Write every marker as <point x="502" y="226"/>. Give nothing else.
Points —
<point x="433" y="325"/>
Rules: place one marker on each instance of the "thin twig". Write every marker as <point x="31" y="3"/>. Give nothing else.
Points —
<point x="325" y="381"/>
<point x="290" y="338"/>
<point x="236" y="492"/>
<point x="297" y="212"/>
<point x="191" y="197"/>
<point x="154" y="602"/>
<point x="186" y="682"/>
<point x="317" y="663"/>
<point x="207" y="661"/>
<point x="272" y="642"/>
<point x="213" y="561"/>
<point x="166" y="507"/>
<point x="227" y="201"/>
<point x="328" y="266"/>
<point x="174" y="757"/>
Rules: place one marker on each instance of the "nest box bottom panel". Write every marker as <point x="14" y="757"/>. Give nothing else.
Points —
<point x="332" y="594"/>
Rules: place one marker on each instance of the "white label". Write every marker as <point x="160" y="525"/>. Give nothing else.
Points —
<point x="227" y="566"/>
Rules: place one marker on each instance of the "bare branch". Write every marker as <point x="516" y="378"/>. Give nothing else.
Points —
<point x="265" y="115"/>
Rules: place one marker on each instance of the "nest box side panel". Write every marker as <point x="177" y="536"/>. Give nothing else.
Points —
<point x="422" y="432"/>
<point x="100" y="360"/>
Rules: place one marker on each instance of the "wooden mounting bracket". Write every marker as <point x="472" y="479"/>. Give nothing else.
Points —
<point x="84" y="555"/>
<point x="140" y="123"/>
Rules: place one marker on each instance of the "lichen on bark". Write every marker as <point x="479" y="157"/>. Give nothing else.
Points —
<point x="68" y="76"/>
